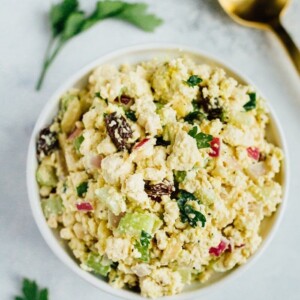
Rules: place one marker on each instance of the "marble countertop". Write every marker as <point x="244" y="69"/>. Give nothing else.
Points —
<point x="199" y="23"/>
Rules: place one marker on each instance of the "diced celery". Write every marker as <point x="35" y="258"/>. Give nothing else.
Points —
<point x="207" y="196"/>
<point x="114" y="200"/>
<point x="186" y="275"/>
<point x="52" y="206"/>
<point x="71" y="113"/>
<point x="134" y="223"/>
<point x="144" y="251"/>
<point x="45" y="175"/>
<point x="98" y="264"/>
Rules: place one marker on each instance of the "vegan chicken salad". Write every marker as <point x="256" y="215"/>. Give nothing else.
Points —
<point x="159" y="174"/>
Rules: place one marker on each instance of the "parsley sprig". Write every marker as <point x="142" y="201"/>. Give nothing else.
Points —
<point x="203" y="140"/>
<point x="187" y="213"/>
<point x="31" y="291"/>
<point x="68" y="20"/>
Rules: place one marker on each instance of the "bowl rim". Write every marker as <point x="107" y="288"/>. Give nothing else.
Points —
<point x="34" y="197"/>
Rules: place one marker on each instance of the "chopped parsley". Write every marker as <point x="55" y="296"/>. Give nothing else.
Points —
<point x="143" y="245"/>
<point x="98" y="95"/>
<point x="187" y="213"/>
<point x="179" y="176"/>
<point x="196" y="114"/>
<point x="251" y="104"/>
<point x="130" y="114"/>
<point x="194" y="80"/>
<point x="31" y="291"/>
<point x="159" y="106"/>
<point x="82" y="189"/>
<point x="203" y="140"/>
<point x="193" y="116"/>
<point x="77" y="142"/>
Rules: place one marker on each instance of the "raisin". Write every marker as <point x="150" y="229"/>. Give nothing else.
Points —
<point x="213" y="111"/>
<point x="124" y="99"/>
<point x="47" y="142"/>
<point x="119" y="130"/>
<point x="161" y="142"/>
<point x="155" y="191"/>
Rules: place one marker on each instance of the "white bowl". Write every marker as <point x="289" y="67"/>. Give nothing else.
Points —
<point x="133" y="55"/>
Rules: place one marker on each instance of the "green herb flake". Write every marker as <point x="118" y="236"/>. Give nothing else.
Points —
<point x="196" y="105"/>
<point x="187" y="213"/>
<point x="193" y="116"/>
<point x="159" y="106"/>
<point x="194" y="80"/>
<point x="31" y="291"/>
<point x="203" y="140"/>
<point x="130" y="114"/>
<point x="77" y="142"/>
<point x="98" y="95"/>
<point x="82" y="188"/>
<point x="142" y="245"/>
<point x="65" y="187"/>
<point x="251" y="104"/>
<point x="179" y="176"/>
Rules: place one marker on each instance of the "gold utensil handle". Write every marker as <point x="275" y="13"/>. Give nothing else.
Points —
<point x="288" y="43"/>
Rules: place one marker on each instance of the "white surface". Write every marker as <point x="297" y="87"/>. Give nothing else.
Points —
<point x="24" y="35"/>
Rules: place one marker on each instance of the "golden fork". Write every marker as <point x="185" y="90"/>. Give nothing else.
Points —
<point x="263" y="14"/>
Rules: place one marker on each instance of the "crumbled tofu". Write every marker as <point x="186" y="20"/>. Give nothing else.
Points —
<point x="135" y="191"/>
<point x="112" y="198"/>
<point x="184" y="153"/>
<point x="115" y="167"/>
<point x="117" y="248"/>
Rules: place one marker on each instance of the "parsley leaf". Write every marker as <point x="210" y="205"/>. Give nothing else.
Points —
<point x="130" y="114"/>
<point x="68" y="20"/>
<point x="135" y="13"/>
<point x="77" y="142"/>
<point x="193" y="216"/>
<point x="194" y="115"/>
<point x="59" y="13"/>
<point x="145" y="238"/>
<point x="187" y="213"/>
<point x="108" y="8"/>
<point x="251" y="104"/>
<point x="73" y="25"/>
<point x="194" y="80"/>
<point x="179" y="176"/>
<point x="203" y="140"/>
<point x="31" y="291"/>
<point x="143" y="245"/>
<point x="82" y="188"/>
